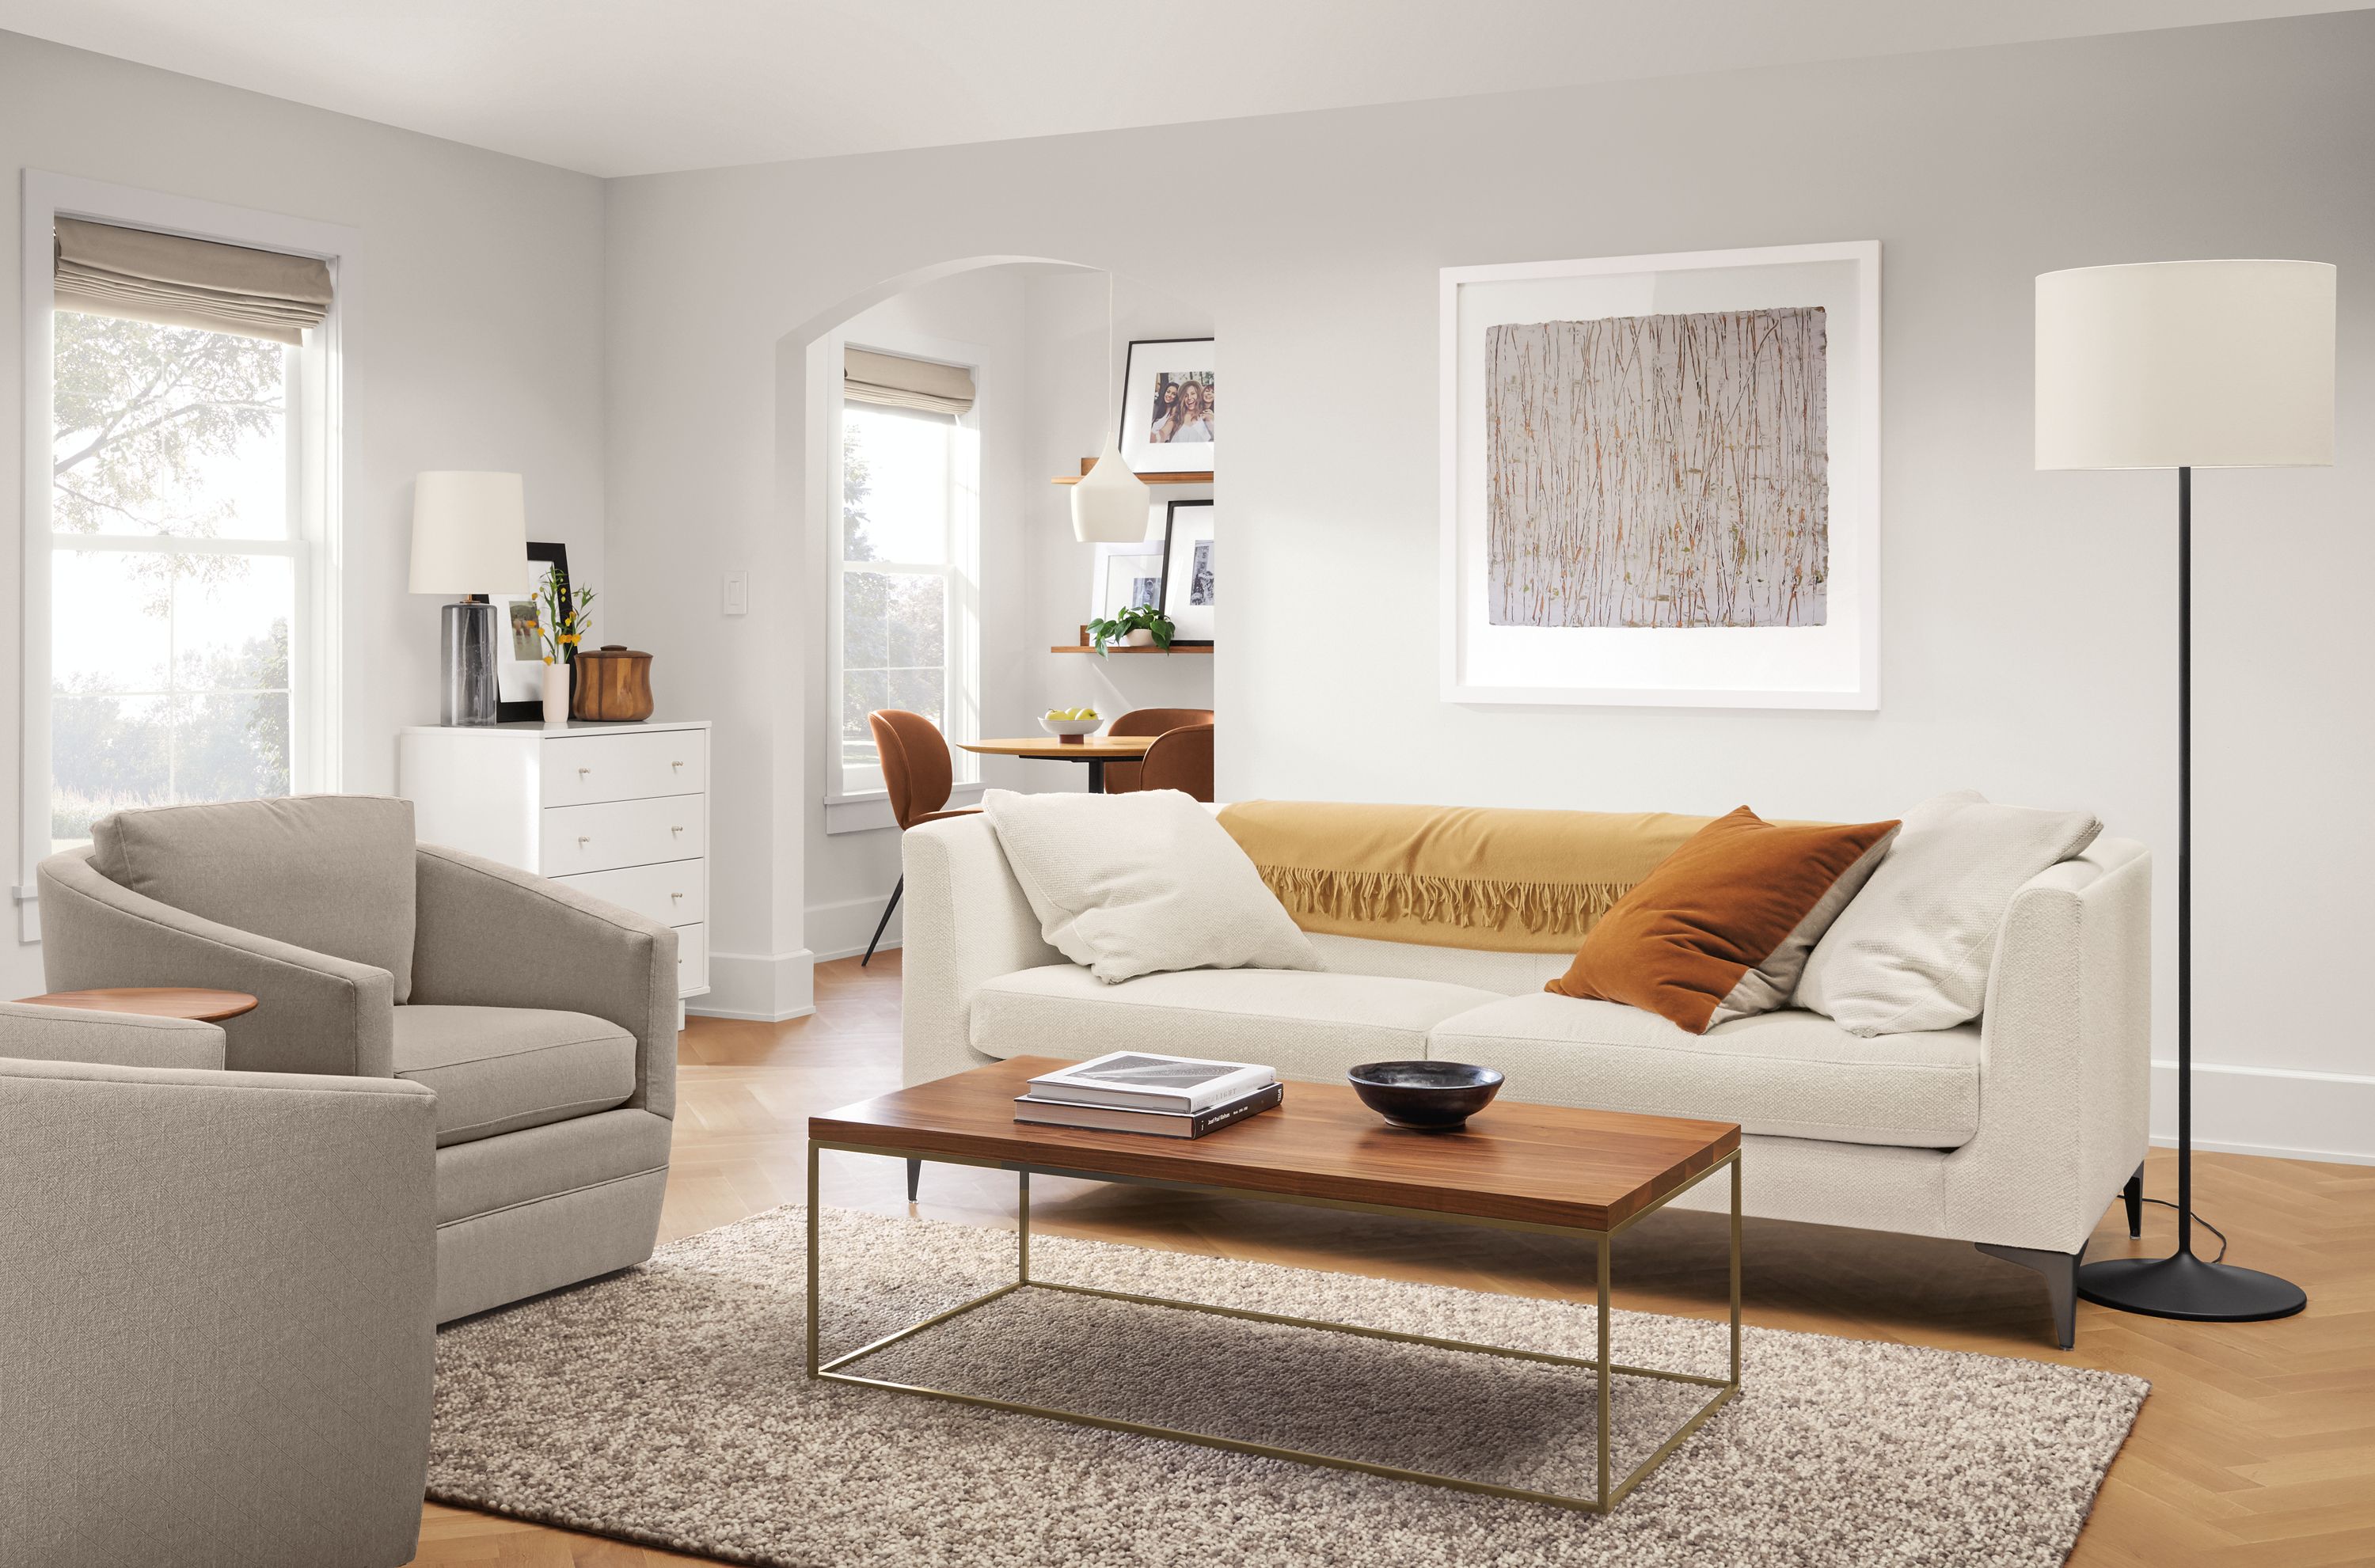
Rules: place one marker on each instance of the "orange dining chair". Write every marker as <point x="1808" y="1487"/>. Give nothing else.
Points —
<point x="1123" y="776"/>
<point x="1180" y="760"/>
<point x="917" y="774"/>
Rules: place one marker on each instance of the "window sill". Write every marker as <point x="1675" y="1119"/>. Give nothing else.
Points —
<point x="870" y="812"/>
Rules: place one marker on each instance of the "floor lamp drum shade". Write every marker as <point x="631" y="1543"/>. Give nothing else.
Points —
<point x="2199" y="364"/>
<point x="469" y="539"/>
<point x="2186" y="365"/>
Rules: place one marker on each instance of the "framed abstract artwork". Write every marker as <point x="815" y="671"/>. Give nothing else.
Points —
<point x="1661" y="480"/>
<point x="1187" y="571"/>
<point x="1168" y="406"/>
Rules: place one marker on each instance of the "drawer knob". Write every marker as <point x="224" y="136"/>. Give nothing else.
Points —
<point x="679" y="897"/>
<point x="676" y="830"/>
<point x="677" y="765"/>
<point x="583" y="841"/>
<point x="582" y="772"/>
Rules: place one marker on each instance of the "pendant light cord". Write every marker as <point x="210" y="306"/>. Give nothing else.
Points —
<point x="1112" y="386"/>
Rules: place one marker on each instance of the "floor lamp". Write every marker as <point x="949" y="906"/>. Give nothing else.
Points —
<point x="2185" y="365"/>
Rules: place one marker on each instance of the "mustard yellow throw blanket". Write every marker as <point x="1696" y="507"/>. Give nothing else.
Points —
<point x="1452" y="876"/>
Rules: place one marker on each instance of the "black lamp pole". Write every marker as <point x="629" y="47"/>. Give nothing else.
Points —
<point x="2182" y="1285"/>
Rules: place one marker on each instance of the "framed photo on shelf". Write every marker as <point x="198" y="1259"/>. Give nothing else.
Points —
<point x="1187" y="571"/>
<point x="1167" y="413"/>
<point x="519" y="639"/>
<point x="1661" y="479"/>
<point x="1126" y="575"/>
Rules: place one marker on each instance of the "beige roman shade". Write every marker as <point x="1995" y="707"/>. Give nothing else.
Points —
<point x="894" y="381"/>
<point x="104" y="270"/>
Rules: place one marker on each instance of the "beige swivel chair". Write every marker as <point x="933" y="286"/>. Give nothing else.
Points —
<point x="544" y="1019"/>
<point x="216" y="1293"/>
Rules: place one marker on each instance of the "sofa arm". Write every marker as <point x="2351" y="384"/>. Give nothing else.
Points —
<point x="314" y="1013"/>
<point x="220" y="1291"/>
<point x="2066" y="1076"/>
<point x="492" y="935"/>
<point x="967" y="922"/>
<point x="121" y="1039"/>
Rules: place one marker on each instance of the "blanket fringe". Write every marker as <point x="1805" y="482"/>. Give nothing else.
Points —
<point x="1571" y="907"/>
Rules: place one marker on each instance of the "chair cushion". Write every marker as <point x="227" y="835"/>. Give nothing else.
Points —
<point x="329" y="873"/>
<point x="1787" y="1074"/>
<point x="499" y="1069"/>
<point x="1306" y="1024"/>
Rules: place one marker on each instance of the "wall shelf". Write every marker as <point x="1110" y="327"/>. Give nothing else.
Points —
<point x="1088" y="462"/>
<point x="1181" y="648"/>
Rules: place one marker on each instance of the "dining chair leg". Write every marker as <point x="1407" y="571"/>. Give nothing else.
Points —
<point x="884" y="924"/>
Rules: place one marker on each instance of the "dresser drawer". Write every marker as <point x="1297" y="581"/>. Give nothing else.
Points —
<point x="623" y="832"/>
<point x="581" y="769"/>
<point x="674" y="892"/>
<point x="691" y="959"/>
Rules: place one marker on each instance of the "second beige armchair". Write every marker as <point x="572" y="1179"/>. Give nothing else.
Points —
<point x="544" y="1020"/>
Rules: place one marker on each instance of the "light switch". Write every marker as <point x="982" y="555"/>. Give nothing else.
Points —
<point x="738" y="591"/>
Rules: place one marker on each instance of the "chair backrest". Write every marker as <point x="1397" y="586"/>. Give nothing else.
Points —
<point x="1181" y="760"/>
<point x="330" y="873"/>
<point x="916" y="770"/>
<point x="1157" y="721"/>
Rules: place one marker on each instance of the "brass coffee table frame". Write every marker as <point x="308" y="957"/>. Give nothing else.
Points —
<point x="1604" y="1498"/>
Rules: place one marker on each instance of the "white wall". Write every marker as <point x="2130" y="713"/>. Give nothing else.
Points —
<point x="472" y="335"/>
<point x="2027" y="616"/>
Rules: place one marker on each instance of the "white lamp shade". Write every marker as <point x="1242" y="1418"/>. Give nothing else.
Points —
<point x="469" y="534"/>
<point x="1111" y="505"/>
<point x="2204" y="364"/>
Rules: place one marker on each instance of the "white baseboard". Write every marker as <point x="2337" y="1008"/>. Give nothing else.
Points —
<point x="841" y="930"/>
<point x="759" y="987"/>
<point x="2283" y="1112"/>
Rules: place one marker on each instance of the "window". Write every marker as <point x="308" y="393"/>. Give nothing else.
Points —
<point x="180" y="594"/>
<point x="903" y="588"/>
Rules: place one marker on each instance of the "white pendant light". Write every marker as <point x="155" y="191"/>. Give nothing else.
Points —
<point x="1111" y="505"/>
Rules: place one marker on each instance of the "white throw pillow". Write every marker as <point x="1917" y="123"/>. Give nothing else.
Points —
<point x="1912" y="950"/>
<point x="1132" y="884"/>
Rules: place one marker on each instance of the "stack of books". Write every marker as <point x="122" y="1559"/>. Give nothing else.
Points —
<point x="1138" y="1091"/>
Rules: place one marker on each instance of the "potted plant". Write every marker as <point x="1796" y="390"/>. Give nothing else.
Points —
<point x="1140" y="626"/>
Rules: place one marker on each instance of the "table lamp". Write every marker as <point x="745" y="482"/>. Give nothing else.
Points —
<point x="2185" y="365"/>
<point x="470" y="537"/>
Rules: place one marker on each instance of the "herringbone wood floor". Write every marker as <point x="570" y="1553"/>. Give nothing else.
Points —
<point x="2257" y="1448"/>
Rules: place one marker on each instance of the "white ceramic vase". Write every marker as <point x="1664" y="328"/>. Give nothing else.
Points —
<point x="1138" y="637"/>
<point x="556" y="696"/>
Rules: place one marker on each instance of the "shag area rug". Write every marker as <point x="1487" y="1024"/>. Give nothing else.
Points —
<point x="669" y="1405"/>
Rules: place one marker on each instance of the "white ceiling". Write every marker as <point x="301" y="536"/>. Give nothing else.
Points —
<point x="632" y="86"/>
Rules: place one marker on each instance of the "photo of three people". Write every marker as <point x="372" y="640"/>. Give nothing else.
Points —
<point x="1182" y="408"/>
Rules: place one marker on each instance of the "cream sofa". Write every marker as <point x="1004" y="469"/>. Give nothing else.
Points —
<point x="2014" y="1132"/>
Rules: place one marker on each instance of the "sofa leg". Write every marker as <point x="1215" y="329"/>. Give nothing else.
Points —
<point x="915" y="1177"/>
<point x="2061" y="1271"/>
<point x="2133" y="1192"/>
<point x="884" y="924"/>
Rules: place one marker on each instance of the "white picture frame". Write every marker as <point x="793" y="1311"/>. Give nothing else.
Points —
<point x="1165" y="442"/>
<point x="1834" y="665"/>
<point x="1135" y="566"/>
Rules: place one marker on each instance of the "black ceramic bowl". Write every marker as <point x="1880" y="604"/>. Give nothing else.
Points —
<point x="1425" y="1096"/>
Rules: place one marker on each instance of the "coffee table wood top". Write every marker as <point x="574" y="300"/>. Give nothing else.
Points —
<point x="1513" y="1163"/>
<point x="152" y="1001"/>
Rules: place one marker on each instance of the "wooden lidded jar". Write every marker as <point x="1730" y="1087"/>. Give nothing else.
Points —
<point x="614" y="683"/>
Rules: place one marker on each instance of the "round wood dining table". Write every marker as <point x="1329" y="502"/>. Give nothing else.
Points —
<point x="1096" y="750"/>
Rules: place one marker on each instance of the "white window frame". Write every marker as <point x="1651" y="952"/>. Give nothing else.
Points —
<point x="315" y="442"/>
<point x="847" y="810"/>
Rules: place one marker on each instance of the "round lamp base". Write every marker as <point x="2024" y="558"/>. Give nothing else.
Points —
<point x="2185" y="1287"/>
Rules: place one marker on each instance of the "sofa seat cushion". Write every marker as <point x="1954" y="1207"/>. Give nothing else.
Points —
<point x="499" y="1069"/>
<point x="1306" y="1023"/>
<point x="1785" y="1074"/>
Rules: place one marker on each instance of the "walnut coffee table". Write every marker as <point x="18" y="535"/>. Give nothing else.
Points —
<point x="1592" y="1174"/>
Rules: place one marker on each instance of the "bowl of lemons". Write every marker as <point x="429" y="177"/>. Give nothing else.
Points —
<point x="1071" y="723"/>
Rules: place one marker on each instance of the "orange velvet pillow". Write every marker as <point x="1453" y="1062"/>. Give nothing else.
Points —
<point x="1722" y="927"/>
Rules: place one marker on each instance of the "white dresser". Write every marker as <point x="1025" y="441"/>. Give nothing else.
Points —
<point x="617" y="810"/>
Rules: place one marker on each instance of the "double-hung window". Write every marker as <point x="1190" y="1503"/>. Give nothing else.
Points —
<point x="905" y="556"/>
<point x="188" y="594"/>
